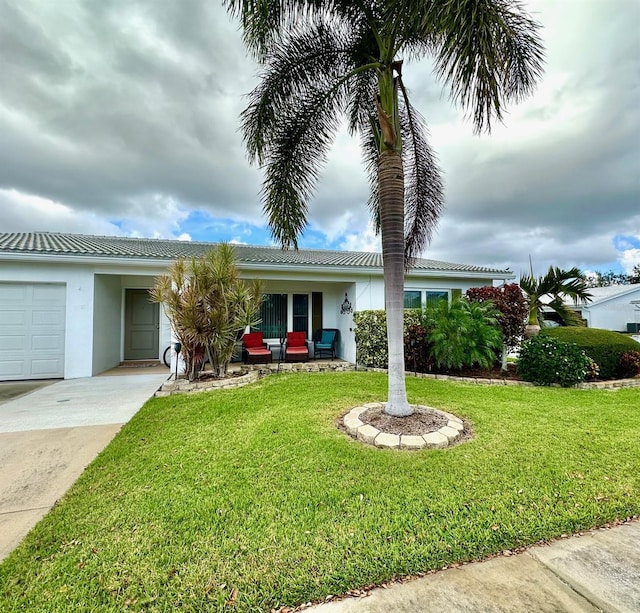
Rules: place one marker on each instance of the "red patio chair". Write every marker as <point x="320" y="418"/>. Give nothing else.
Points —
<point x="296" y="348"/>
<point x="255" y="350"/>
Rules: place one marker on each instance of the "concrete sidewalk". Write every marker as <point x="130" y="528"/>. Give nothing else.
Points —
<point x="49" y="436"/>
<point x="599" y="571"/>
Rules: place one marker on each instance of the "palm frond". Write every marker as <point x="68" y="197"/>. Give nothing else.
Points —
<point x="566" y="314"/>
<point x="296" y="155"/>
<point x="550" y="291"/>
<point x="292" y="120"/>
<point x="310" y="60"/>
<point x="424" y="192"/>
<point x="488" y="51"/>
<point x="265" y="22"/>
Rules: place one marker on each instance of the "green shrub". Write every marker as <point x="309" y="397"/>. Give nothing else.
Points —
<point x="629" y="365"/>
<point x="593" y="370"/>
<point x="603" y="346"/>
<point x="371" y="335"/>
<point x="546" y="360"/>
<point x="463" y="333"/>
<point x="418" y="354"/>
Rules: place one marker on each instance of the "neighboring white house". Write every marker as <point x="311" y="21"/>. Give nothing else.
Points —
<point x="616" y="307"/>
<point x="75" y="305"/>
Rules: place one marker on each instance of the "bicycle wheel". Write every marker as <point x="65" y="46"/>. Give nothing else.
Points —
<point x="166" y="357"/>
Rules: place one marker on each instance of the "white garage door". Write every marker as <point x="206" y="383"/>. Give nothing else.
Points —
<point x="32" y="319"/>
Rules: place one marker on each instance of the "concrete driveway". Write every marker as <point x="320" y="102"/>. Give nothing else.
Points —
<point x="13" y="389"/>
<point x="49" y="436"/>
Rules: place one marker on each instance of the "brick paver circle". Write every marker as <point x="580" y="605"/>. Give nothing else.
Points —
<point x="370" y="435"/>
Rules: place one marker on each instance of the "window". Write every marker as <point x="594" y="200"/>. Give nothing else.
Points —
<point x="434" y="297"/>
<point x="416" y="299"/>
<point x="273" y="316"/>
<point x="412" y="300"/>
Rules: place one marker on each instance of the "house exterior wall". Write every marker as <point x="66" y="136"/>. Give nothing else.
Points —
<point x="613" y="314"/>
<point x="332" y="297"/>
<point x="95" y="294"/>
<point x="369" y="294"/>
<point x="107" y="322"/>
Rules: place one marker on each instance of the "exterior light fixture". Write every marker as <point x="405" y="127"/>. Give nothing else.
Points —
<point x="346" y="308"/>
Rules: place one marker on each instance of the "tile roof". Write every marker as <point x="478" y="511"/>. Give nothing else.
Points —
<point x="149" y="248"/>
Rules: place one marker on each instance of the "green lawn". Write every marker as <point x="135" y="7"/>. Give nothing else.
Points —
<point x="256" y="489"/>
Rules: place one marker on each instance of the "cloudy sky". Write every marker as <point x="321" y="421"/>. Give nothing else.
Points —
<point x="121" y="117"/>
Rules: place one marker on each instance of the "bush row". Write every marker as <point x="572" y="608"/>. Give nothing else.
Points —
<point x="447" y="335"/>
<point x="466" y="333"/>
<point x="604" y="347"/>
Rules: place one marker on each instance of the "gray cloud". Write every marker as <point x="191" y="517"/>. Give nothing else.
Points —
<point x="124" y="114"/>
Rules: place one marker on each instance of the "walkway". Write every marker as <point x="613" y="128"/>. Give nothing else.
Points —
<point x="598" y="571"/>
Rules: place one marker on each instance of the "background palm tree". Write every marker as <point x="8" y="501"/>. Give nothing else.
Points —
<point x="328" y="61"/>
<point x="550" y="291"/>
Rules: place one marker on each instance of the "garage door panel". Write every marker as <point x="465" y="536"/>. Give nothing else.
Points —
<point x="49" y="343"/>
<point x="12" y="343"/>
<point x="12" y="293"/>
<point x="48" y="295"/>
<point x="41" y="317"/>
<point x="12" y="369"/>
<point x="45" y="368"/>
<point x="13" y="317"/>
<point x="32" y="330"/>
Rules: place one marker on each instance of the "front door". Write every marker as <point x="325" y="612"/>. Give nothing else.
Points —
<point x="141" y="326"/>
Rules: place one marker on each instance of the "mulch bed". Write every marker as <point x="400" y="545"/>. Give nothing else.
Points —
<point x="422" y="421"/>
<point x="479" y="373"/>
<point x="210" y="376"/>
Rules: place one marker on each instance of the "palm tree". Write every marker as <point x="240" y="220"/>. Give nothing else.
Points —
<point x="208" y="306"/>
<point x="550" y="291"/>
<point x="326" y="61"/>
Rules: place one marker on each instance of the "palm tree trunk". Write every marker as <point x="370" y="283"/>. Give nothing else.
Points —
<point x="391" y="194"/>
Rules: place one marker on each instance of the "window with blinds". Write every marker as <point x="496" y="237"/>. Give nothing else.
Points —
<point x="412" y="300"/>
<point x="273" y="316"/>
<point x="300" y="312"/>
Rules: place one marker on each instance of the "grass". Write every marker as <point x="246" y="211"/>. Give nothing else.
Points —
<point x="252" y="499"/>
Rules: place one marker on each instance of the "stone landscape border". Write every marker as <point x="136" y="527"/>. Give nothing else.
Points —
<point x="253" y="373"/>
<point x="370" y="435"/>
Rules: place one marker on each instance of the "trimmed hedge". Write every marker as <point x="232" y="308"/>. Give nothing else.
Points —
<point x="371" y="335"/>
<point x="604" y="347"/>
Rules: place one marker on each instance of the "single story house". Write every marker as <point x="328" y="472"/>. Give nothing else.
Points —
<point x="615" y="307"/>
<point x="74" y="305"/>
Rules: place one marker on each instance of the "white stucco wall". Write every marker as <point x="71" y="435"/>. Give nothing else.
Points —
<point x="107" y="322"/>
<point x="94" y="334"/>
